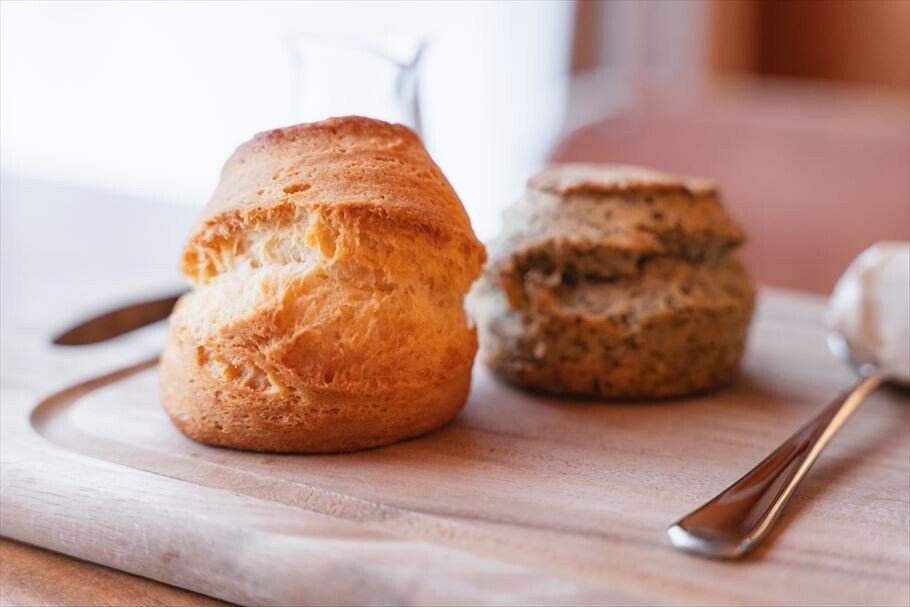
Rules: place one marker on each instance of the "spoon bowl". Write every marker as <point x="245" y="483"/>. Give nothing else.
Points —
<point x="861" y="360"/>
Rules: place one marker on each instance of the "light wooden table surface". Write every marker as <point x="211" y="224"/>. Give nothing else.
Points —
<point x="30" y="575"/>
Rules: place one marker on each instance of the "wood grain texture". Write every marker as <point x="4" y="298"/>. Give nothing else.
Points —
<point x="523" y="499"/>
<point x="31" y="577"/>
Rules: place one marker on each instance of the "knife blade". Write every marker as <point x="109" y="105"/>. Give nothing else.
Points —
<point x="118" y="321"/>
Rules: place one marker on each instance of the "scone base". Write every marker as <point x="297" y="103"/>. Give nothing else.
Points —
<point x="590" y="385"/>
<point x="672" y="354"/>
<point x="319" y="422"/>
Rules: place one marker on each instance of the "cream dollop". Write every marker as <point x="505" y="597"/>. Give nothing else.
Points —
<point x="870" y="306"/>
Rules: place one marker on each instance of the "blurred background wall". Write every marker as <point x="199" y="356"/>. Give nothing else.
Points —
<point x="801" y="110"/>
<point x="856" y="41"/>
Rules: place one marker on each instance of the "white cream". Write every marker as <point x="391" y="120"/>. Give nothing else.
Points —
<point x="870" y="306"/>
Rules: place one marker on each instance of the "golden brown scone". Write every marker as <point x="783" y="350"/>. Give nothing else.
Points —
<point x="329" y="273"/>
<point x="615" y="282"/>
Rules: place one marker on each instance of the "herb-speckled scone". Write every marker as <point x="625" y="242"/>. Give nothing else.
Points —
<point x="327" y="312"/>
<point x="615" y="282"/>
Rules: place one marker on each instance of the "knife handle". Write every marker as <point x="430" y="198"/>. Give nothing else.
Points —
<point x="734" y="522"/>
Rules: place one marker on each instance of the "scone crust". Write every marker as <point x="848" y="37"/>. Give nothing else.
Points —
<point x="611" y="281"/>
<point x="601" y="179"/>
<point x="353" y="168"/>
<point x="319" y="420"/>
<point x="329" y="272"/>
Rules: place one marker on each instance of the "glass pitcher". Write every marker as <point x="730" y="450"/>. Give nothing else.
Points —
<point x="338" y="76"/>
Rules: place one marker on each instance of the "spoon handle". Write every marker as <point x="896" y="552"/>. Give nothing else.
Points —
<point x="735" y="521"/>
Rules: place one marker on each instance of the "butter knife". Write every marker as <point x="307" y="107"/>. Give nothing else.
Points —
<point x="117" y="322"/>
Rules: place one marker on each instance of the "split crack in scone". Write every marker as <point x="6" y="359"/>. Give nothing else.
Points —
<point x="615" y="282"/>
<point x="329" y="272"/>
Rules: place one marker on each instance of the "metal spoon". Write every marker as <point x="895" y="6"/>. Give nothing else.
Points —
<point x="739" y="518"/>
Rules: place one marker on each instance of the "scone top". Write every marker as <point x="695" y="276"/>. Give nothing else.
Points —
<point x="357" y="171"/>
<point x="612" y="216"/>
<point x="606" y="179"/>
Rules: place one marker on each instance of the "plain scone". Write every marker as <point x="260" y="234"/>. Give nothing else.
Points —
<point x="327" y="314"/>
<point x="614" y="282"/>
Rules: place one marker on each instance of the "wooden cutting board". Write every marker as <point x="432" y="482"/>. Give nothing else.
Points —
<point x="523" y="499"/>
